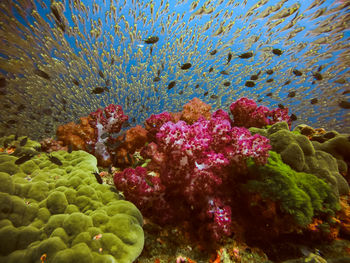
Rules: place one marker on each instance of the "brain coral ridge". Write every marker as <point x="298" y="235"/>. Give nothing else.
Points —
<point x="302" y="155"/>
<point x="61" y="211"/>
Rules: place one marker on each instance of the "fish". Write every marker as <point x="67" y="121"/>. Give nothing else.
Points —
<point x="23" y="159"/>
<point x="70" y="148"/>
<point x="98" y="177"/>
<point x="205" y="93"/>
<point x="102" y="75"/>
<point x="224" y="72"/>
<point x="213" y="52"/>
<point x="297" y="72"/>
<point x="317" y="75"/>
<point x="156" y="79"/>
<point x="246" y="55"/>
<point x="211" y="69"/>
<point x="269" y="94"/>
<point x="23" y="141"/>
<point x="186" y="66"/>
<point x="344" y="104"/>
<point x="269" y="71"/>
<point x="227" y="83"/>
<point x="293" y="117"/>
<point x="99" y="90"/>
<point x="314" y="101"/>
<point x="281" y="106"/>
<point x="269" y="80"/>
<point x="291" y="94"/>
<point x="229" y="57"/>
<point x="59" y="21"/>
<point x="249" y="83"/>
<point x="171" y="84"/>
<point x="286" y="83"/>
<point x="255" y="76"/>
<point x="42" y="74"/>
<point x="75" y="82"/>
<point x="277" y="51"/>
<point x="43" y="257"/>
<point x="54" y="160"/>
<point x="151" y="40"/>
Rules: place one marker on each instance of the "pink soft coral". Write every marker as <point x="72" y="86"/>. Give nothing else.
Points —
<point x="106" y="121"/>
<point x="246" y="113"/>
<point x="195" y="168"/>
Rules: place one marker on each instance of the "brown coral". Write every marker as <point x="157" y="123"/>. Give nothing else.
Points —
<point x="195" y="109"/>
<point x="51" y="145"/>
<point x="76" y="135"/>
<point x="135" y="139"/>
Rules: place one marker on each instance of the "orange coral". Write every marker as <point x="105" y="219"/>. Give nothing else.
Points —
<point x="76" y="135"/>
<point x="135" y="139"/>
<point x="195" y="109"/>
<point x="344" y="215"/>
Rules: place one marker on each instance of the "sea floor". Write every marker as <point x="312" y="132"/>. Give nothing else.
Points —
<point x="173" y="244"/>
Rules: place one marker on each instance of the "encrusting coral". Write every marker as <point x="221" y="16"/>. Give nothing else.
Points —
<point x="299" y="194"/>
<point x="303" y="155"/>
<point x="57" y="210"/>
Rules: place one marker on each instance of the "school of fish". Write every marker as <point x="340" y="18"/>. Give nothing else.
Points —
<point x="61" y="60"/>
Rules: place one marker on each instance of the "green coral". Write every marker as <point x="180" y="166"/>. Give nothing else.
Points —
<point x="57" y="210"/>
<point x="302" y="155"/>
<point x="29" y="148"/>
<point x="299" y="194"/>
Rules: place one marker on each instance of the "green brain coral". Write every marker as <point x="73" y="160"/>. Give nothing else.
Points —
<point x="299" y="194"/>
<point x="61" y="211"/>
<point x="301" y="155"/>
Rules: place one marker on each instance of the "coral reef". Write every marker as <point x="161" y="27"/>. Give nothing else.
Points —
<point x="58" y="211"/>
<point x="134" y="139"/>
<point x="305" y="156"/>
<point x="12" y="145"/>
<point x="51" y="145"/>
<point x="246" y="113"/>
<point x="193" y="168"/>
<point x="195" y="109"/>
<point x="94" y="133"/>
<point x="76" y="135"/>
<point x="298" y="194"/>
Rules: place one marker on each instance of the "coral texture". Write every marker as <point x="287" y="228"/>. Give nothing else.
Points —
<point x="76" y="135"/>
<point x="134" y="139"/>
<point x="246" y="113"/>
<point x="195" y="109"/>
<point x="60" y="211"/>
<point x="105" y="122"/>
<point x="298" y="194"/>
<point x="305" y="156"/>
<point x="194" y="163"/>
<point x="94" y="133"/>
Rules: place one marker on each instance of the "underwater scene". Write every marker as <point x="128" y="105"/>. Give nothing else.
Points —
<point x="208" y="131"/>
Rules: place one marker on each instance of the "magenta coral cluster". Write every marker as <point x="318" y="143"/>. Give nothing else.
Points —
<point x="246" y="113"/>
<point x="155" y="121"/>
<point x="196" y="169"/>
<point x="106" y="121"/>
